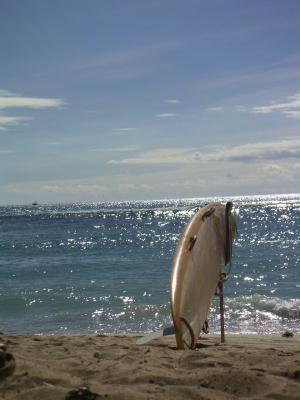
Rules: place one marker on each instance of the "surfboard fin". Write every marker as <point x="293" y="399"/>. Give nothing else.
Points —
<point x="170" y="330"/>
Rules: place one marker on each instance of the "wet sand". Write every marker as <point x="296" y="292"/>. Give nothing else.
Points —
<point x="115" y="367"/>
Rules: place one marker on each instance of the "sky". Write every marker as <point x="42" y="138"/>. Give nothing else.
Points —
<point x="136" y="99"/>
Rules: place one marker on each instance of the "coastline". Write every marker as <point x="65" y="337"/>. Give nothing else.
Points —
<point x="115" y="367"/>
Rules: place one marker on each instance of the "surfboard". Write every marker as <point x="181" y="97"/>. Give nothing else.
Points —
<point x="203" y="249"/>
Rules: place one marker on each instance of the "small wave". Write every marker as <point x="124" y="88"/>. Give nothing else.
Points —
<point x="275" y="306"/>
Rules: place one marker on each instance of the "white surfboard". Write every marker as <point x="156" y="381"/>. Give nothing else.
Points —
<point x="202" y="251"/>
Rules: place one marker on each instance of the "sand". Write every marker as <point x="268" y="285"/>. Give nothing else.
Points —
<point x="114" y="367"/>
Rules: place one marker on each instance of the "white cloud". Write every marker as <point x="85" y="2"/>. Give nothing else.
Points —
<point x="9" y="100"/>
<point x="290" y="108"/>
<point x="6" y="121"/>
<point x="173" y="101"/>
<point x="165" y="115"/>
<point x="29" y="102"/>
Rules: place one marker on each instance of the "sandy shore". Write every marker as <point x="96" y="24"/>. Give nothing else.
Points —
<point x="114" y="367"/>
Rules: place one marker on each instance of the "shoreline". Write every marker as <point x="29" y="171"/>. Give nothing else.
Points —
<point x="115" y="367"/>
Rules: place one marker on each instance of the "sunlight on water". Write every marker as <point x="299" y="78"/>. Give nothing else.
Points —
<point x="105" y="267"/>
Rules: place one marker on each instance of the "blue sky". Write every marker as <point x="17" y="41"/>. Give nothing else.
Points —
<point x="116" y="100"/>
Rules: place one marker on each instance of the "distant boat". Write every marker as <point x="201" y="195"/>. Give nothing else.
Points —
<point x="34" y="203"/>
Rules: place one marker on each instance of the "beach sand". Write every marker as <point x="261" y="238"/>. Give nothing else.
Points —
<point x="114" y="367"/>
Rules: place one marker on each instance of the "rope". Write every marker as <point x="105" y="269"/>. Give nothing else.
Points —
<point x="225" y="275"/>
<point x="228" y="242"/>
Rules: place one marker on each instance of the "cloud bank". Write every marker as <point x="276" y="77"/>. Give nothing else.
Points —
<point x="276" y="150"/>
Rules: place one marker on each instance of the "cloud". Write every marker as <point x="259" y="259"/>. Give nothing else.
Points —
<point x="124" y="63"/>
<point x="289" y="108"/>
<point x="10" y="100"/>
<point x="173" y="101"/>
<point x="182" y="181"/>
<point x="292" y="103"/>
<point x="6" y="152"/>
<point x="73" y="187"/>
<point x="6" y="121"/>
<point x="215" y="109"/>
<point x="291" y="114"/>
<point x="276" y="150"/>
<point x="157" y="156"/>
<point x="130" y="56"/>
<point x="7" y="93"/>
<point x="268" y="75"/>
<point x="165" y="115"/>
<point x="35" y="103"/>
<point x="273" y="169"/>
<point x="129" y="129"/>
<point x="117" y="149"/>
<point x="92" y="111"/>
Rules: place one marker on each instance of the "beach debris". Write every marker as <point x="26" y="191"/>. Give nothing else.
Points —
<point x="7" y="363"/>
<point x="83" y="393"/>
<point x="2" y="346"/>
<point x="287" y="334"/>
<point x="48" y="384"/>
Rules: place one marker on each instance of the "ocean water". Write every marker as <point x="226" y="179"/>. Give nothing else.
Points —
<point x="105" y="267"/>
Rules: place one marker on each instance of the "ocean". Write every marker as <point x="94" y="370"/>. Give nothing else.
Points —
<point x="105" y="267"/>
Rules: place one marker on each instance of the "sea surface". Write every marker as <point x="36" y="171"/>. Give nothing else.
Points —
<point x="105" y="267"/>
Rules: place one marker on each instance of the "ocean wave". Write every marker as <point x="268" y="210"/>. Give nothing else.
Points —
<point x="275" y="306"/>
